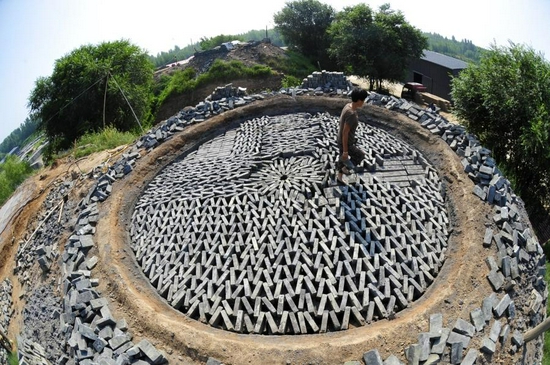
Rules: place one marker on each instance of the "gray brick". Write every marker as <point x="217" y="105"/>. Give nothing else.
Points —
<point x="150" y="352"/>
<point x="478" y="319"/>
<point x="496" y="279"/>
<point x="439" y="344"/>
<point x="488" y="346"/>
<point x="495" y="331"/>
<point x="464" y="327"/>
<point x="455" y="337"/>
<point x="393" y="360"/>
<point x="372" y="357"/>
<point x="501" y="307"/>
<point x="456" y="353"/>
<point x="470" y="358"/>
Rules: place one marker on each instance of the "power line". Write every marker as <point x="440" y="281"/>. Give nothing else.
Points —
<point x="132" y="109"/>
<point x="73" y="100"/>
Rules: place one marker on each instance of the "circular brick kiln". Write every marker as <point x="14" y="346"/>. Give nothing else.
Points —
<point x="253" y="233"/>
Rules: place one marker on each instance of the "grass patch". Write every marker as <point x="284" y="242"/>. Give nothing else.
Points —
<point x="12" y="173"/>
<point x="293" y="64"/>
<point x="291" y="81"/>
<point x="107" y="139"/>
<point x="92" y="142"/>
<point x="220" y="71"/>
<point x="12" y="359"/>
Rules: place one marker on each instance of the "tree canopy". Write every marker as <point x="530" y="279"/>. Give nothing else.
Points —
<point x="505" y="101"/>
<point x="376" y="45"/>
<point x="92" y="87"/>
<point x="18" y="136"/>
<point x="464" y="49"/>
<point x="303" y="25"/>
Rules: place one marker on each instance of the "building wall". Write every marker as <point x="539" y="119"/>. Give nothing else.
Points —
<point x="435" y="77"/>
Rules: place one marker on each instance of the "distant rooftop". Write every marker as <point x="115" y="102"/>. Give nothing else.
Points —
<point x="443" y="60"/>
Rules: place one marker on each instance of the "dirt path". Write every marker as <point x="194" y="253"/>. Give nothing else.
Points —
<point x="23" y="218"/>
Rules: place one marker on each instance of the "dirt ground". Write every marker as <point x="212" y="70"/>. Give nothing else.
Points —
<point x="22" y="220"/>
<point x="459" y="288"/>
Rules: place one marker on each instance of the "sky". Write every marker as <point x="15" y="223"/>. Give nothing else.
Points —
<point x="35" y="33"/>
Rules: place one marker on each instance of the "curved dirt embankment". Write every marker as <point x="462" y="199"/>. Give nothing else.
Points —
<point x="459" y="288"/>
<point x="174" y="104"/>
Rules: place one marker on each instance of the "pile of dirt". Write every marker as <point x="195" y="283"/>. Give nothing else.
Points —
<point x="253" y="53"/>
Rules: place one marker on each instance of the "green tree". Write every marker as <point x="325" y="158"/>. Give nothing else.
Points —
<point x="303" y="25"/>
<point x="12" y="173"/>
<point x="464" y="50"/>
<point x="505" y="101"/>
<point x="93" y="87"/>
<point x="19" y="135"/>
<point x="378" y="46"/>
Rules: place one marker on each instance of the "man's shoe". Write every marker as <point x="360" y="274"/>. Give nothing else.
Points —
<point x="349" y="164"/>
<point x="345" y="170"/>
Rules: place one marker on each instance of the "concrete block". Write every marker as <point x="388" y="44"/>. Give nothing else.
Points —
<point x="412" y="353"/>
<point x="440" y="343"/>
<point x="478" y="319"/>
<point x="455" y="337"/>
<point x="456" y="353"/>
<point x="464" y="327"/>
<point x="470" y="358"/>
<point x="496" y="278"/>
<point x="393" y="360"/>
<point x="488" y="346"/>
<point x="372" y="357"/>
<point x="502" y="306"/>
<point x="424" y="345"/>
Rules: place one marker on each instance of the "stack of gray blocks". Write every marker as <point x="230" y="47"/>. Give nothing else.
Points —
<point x="251" y="232"/>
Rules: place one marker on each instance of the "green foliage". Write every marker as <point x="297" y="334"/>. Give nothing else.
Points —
<point x="113" y="77"/>
<point x="505" y="101"/>
<point x="464" y="50"/>
<point x="225" y="71"/>
<point x="12" y="173"/>
<point x="291" y="81"/>
<point x="12" y="359"/>
<point x="303" y="25"/>
<point x="106" y="139"/>
<point x="293" y="64"/>
<point x="18" y="136"/>
<point x="220" y="71"/>
<point x="378" y="46"/>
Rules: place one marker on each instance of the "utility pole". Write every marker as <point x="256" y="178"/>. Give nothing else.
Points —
<point x="105" y="98"/>
<point x="537" y="331"/>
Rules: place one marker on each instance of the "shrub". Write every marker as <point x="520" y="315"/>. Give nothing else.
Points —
<point x="107" y="139"/>
<point x="291" y="81"/>
<point x="12" y="173"/>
